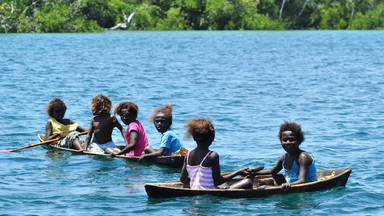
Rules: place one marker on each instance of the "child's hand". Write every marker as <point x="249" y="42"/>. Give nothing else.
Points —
<point x="255" y="170"/>
<point x="285" y="186"/>
<point x="141" y="158"/>
<point x="243" y="172"/>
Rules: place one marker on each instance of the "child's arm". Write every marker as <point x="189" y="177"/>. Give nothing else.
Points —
<point x="215" y="160"/>
<point x="132" y="142"/>
<point x="275" y="169"/>
<point x="158" y="152"/>
<point x="89" y="136"/>
<point x="48" y="132"/>
<point x="117" y="124"/>
<point x="80" y="129"/>
<point x="184" y="175"/>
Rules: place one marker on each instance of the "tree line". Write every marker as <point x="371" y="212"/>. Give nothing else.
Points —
<point x="98" y="15"/>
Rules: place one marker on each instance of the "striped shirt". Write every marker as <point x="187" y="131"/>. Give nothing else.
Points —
<point x="200" y="176"/>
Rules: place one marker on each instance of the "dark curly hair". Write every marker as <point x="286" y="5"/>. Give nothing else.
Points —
<point x="295" y="128"/>
<point x="54" y="104"/>
<point x="101" y="104"/>
<point x="201" y="129"/>
<point x="166" y="110"/>
<point x="127" y="107"/>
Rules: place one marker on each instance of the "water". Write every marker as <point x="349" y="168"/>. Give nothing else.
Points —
<point x="248" y="83"/>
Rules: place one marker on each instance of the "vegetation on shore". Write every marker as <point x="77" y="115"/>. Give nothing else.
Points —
<point x="97" y="15"/>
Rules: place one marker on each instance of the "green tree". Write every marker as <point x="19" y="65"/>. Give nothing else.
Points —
<point x="173" y="21"/>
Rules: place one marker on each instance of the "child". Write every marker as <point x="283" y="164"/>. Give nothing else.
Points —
<point x="162" y="119"/>
<point x="201" y="169"/>
<point x="57" y="126"/>
<point x="299" y="166"/>
<point x="136" y="135"/>
<point x="102" y="124"/>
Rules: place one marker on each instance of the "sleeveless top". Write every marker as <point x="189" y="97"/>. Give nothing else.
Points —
<point x="292" y="175"/>
<point x="200" y="176"/>
<point x="57" y="127"/>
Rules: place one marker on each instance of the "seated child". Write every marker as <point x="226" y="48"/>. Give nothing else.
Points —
<point x="201" y="169"/>
<point x="102" y="124"/>
<point x="57" y="126"/>
<point x="299" y="166"/>
<point x="136" y="135"/>
<point x="162" y="119"/>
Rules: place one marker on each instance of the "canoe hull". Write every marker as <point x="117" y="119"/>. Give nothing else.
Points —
<point x="170" y="161"/>
<point x="167" y="190"/>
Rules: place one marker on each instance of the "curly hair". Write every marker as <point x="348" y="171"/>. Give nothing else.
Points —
<point x="295" y="128"/>
<point x="166" y="110"/>
<point x="101" y="104"/>
<point x="201" y="129"/>
<point x="55" y="103"/>
<point x="127" y="107"/>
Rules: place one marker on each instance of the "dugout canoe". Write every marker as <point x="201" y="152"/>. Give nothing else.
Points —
<point x="170" y="161"/>
<point x="326" y="179"/>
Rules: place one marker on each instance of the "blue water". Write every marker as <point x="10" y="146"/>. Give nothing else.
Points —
<point x="248" y="83"/>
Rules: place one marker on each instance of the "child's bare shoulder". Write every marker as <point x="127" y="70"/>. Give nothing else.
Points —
<point x="213" y="154"/>
<point x="305" y="157"/>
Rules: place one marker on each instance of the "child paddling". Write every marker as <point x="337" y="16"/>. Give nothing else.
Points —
<point x="58" y="126"/>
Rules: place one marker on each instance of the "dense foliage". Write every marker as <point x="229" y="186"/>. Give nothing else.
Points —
<point x="97" y="15"/>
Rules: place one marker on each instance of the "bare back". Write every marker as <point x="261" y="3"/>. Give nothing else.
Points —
<point x="102" y="126"/>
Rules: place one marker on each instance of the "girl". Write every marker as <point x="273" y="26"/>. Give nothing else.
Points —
<point x="162" y="119"/>
<point x="201" y="169"/>
<point x="299" y="166"/>
<point x="136" y="135"/>
<point x="102" y="124"/>
<point x="57" y="126"/>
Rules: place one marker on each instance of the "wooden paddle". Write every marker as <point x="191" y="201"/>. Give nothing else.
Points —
<point x="37" y="144"/>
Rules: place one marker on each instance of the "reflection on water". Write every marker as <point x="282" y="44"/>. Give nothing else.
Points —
<point x="297" y="201"/>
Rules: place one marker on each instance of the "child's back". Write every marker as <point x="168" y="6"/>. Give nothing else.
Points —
<point x="201" y="169"/>
<point x="102" y="124"/>
<point x="102" y="128"/>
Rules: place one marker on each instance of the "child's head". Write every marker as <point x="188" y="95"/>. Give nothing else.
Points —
<point x="202" y="130"/>
<point x="162" y="117"/>
<point x="295" y="130"/>
<point x="101" y="104"/>
<point x="56" y="108"/>
<point x="127" y="111"/>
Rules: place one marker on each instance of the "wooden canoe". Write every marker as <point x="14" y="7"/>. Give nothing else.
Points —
<point x="326" y="179"/>
<point x="170" y="161"/>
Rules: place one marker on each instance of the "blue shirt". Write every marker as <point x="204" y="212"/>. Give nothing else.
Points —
<point x="170" y="142"/>
<point x="292" y="175"/>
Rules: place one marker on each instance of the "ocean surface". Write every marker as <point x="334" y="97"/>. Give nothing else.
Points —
<point x="247" y="82"/>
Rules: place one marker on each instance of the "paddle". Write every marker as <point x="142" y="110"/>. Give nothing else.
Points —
<point x="37" y="144"/>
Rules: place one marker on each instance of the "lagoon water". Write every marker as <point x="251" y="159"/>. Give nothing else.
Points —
<point x="247" y="82"/>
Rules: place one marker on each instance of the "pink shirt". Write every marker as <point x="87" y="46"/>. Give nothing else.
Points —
<point x="200" y="176"/>
<point x="142" y="139"/>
